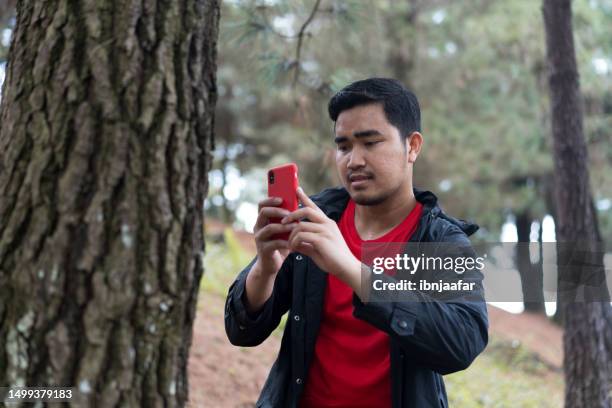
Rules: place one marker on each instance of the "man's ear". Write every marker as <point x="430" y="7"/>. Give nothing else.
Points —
<point x="414" y="143"/>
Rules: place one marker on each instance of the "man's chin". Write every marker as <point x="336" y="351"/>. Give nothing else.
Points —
<point x="367" y="199"/>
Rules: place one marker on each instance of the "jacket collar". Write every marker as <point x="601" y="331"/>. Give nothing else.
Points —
<point x="333" y="201"/>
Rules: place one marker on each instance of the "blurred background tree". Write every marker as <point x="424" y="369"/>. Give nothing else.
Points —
<point x="583" y="294"/>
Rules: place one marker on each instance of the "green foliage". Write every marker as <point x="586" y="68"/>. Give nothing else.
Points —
<point x="222" y="262"/>
<point x="505" y="375"/>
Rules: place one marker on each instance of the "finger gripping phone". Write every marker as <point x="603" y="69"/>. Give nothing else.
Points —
<point x="282" y="182"/>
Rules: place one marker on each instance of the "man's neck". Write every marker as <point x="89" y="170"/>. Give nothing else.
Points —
<point x="374" y="221"/>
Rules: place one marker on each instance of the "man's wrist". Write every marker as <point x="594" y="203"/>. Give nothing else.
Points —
<point x="351" y="274"/>
<point x="258" y="287"/>
<point x="363" y="284"/>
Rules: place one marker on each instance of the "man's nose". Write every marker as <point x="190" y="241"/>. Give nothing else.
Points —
<point x="356" y="159"/>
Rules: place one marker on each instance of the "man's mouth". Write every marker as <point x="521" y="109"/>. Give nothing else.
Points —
<point x="357" y="180"/>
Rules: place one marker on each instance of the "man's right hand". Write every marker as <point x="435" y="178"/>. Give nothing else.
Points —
<point x="271" y="252"/>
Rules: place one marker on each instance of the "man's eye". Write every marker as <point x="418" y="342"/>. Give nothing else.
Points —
<point x="372" y="143"/>
<point x="342" y="148"/>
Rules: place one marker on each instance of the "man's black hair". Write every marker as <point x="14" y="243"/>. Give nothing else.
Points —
<point x="400" y="105"/>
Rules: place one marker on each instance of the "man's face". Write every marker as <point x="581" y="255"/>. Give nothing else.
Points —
<point x="371" y="158"/>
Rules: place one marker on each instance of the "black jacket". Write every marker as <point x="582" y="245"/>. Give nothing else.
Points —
<point x="427" y="339"/>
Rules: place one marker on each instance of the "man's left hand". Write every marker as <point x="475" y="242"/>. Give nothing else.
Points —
<point x="320" y="239"/>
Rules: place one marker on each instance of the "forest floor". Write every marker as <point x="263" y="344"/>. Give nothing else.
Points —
<point x="520" y="367"/>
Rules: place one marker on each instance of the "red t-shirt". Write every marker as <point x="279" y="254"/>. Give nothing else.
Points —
<point x="351" y="366"/>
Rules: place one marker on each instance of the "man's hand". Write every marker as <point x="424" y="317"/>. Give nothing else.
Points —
<point x="320" y="239"/>
<point x="271" y="253"/>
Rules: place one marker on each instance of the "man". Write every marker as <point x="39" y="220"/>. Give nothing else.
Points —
<point x="339" y="349"/>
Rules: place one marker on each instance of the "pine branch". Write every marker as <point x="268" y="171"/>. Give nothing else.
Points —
<point x="300" y="41"/>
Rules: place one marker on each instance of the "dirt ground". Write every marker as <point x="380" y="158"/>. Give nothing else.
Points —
<point x="225" y="376"/>
<point x="222" y="375"/>
<point x="535" y="332"/>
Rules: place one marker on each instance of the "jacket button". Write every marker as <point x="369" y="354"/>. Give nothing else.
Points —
<point x="298" y="257"/>
<point x="296" y="318"/>
<point x="298" y="381"/>
<point x="241" y="327"/>
<point x="403" y="324"/>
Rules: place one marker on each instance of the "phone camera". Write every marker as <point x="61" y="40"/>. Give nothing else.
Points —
<point x="271" y="177"/>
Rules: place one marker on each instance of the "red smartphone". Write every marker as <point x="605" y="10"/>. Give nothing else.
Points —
<point x="282" y="182"/>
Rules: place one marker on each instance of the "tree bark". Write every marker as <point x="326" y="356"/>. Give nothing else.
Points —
<point x="586" y="360"/>
<point x="106" y="130"/>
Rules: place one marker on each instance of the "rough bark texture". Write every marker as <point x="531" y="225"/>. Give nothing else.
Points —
<point x="586" y="360"/>
<point x="105" y="139"/>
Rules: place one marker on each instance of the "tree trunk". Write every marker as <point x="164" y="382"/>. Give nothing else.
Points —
<point x="106" y="129"/>
<point x="532" y="279"/>
<point x="586" y="355"/>
<point x="402" y="32"/>
<point x="7" y="10"/>
<point x="226" y="213"/>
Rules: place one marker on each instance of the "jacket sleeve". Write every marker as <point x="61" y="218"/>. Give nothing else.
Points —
<point x="246" y="329"/>
<point x="443" y="335"/>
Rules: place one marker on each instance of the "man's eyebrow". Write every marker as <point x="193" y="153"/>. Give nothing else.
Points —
<point x="360" y="134"/>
